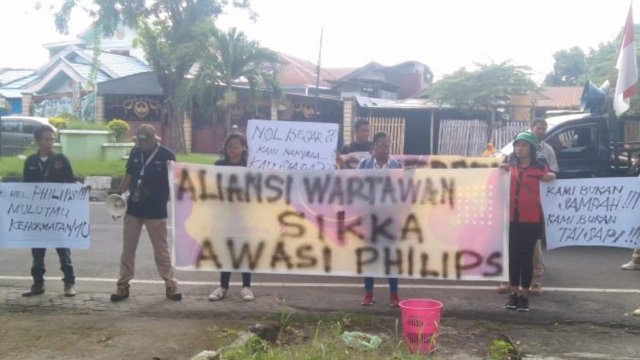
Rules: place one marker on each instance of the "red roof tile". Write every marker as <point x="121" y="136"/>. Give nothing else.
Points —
<point x="295" y="71"/>
<point x="560" y="97"/>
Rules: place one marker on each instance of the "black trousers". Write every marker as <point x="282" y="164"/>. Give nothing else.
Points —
<point x="522" y="241"/>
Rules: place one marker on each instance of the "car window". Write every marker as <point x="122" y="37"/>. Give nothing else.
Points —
<point x="10" y="126"/>
<point x="29" y="127"/>
<point x="573" y="141"/>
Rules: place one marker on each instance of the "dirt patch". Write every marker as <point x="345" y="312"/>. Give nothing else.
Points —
<point x="65" y="335"/>
<point x="38" y="333"/>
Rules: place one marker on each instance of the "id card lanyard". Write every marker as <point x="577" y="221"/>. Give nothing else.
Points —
<point x="153" y="154"/>
<point x="43" y="172"/>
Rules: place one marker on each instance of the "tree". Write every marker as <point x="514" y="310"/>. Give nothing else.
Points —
<point x="224" y="58"/>
<point x="485" y="88"/>
<point x="5" y="106"/>
<point x="165" y="28"/>
<point x="599" y="64"/>
<point x="569" y="67"/>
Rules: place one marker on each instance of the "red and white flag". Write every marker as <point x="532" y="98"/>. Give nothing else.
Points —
<point x="626" y="85"/>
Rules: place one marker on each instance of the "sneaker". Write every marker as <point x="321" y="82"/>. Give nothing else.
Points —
<point x="122" y="292"/>
<point x="368" y="299"/>
<point x="36" y="289"/>
<point x="523" y="304"/>
<point x="503" y="288"/>
<point x="631" y="265"/>
<point x="173" y="294"/>
<point x="218" y="294"/>
<point x="69" y="291"/>
<point x="247" y="294"/>
<point x="536" y="289"/>
<point x="512" y="301"/>
<point x="394" y="300"/>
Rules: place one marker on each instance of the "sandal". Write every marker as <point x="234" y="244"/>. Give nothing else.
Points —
<point x="503" y="288"/>
<point x="536" y="289"/>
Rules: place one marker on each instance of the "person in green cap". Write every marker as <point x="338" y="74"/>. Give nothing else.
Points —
<point x="525" y="215"/>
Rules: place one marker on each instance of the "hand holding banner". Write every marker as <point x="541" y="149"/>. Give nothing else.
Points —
<point x="423" y="223"/>
<point x="44" y="215"/>
<point x="592" y="212"/>
<point x="291" y="145"/>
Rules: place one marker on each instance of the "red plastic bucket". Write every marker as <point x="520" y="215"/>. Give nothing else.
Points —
<point x="420" y="324"/>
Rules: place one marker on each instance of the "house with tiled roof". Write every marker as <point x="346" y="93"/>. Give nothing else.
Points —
<point x="12" y="94"/>
<point x="536" y="104"/>
<point x="374" y="80"/>
<point x="300" y="76"/>
<point x="66" y="83"/>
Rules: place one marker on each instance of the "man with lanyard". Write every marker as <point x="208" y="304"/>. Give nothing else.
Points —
<point x="147" y="181"/>
<point x="47" y="166"/>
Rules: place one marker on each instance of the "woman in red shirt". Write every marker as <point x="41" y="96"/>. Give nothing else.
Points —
<point x="525" y="215"/>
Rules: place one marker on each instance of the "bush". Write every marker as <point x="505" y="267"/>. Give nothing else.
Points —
<point x="86" y="125"/>
<point x="119" y="128"/>
<point x="59" y="122"/>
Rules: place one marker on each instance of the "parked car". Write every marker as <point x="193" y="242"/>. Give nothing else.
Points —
<point x="586" y="146"/>
<point x="16" y="132"/>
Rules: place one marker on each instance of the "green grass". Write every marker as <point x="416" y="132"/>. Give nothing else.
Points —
<point x="12" y="166"/>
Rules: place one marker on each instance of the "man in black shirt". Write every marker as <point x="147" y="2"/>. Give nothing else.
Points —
<point x="361" y="141"/>
<point x="147" y="181"/>
<point x="47" y="166"/>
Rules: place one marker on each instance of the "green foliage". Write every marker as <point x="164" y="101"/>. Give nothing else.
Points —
<point x="501" y="350"/>
<point x="488" y="86"/>
<point x="223" y="58"/>
<point x="568" y="69"/>
<point x="84" y="125"/>
<point x="59" y="122"/>
<point x="12" y="166"/>
<point x="4" y="104"/>
<point x="164" y="29"/>
<point x="119" y="128"/>
<point x="599" y="64"/>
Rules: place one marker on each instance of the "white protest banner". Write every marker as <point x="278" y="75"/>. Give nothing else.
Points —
<point x="291" y="145"/>
<point x="422" y="223"/>
<point x="592" y="212"/>
<point x="44" y="215"/>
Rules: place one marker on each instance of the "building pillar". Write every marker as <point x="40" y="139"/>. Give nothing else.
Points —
<point x="347" y="120"/>
<point x="188" y="135"/>
<point x="99" y="108"/>
<point x="27" y="103"/>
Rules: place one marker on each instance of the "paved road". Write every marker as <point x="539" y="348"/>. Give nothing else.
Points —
<point x="581" y="284"/>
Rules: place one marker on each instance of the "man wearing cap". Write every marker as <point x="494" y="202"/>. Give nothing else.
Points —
<point x="147" y="181"/>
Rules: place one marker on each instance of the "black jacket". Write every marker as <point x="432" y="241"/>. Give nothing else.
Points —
<point x="57" y="169"/>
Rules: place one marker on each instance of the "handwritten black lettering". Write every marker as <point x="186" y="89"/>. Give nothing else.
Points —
<point x="206" y="254"/>
<point x="252" y="260"/>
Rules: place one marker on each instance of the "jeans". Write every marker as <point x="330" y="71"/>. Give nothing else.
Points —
<point x="225" y="276"/>
<point x="38" y="270"/>
<point x="369" y="282"/>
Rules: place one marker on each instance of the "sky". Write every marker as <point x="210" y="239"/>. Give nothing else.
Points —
<point x="443" y="34"/>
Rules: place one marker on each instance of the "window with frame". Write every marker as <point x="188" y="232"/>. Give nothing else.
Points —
<point x="10" y="126"/>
